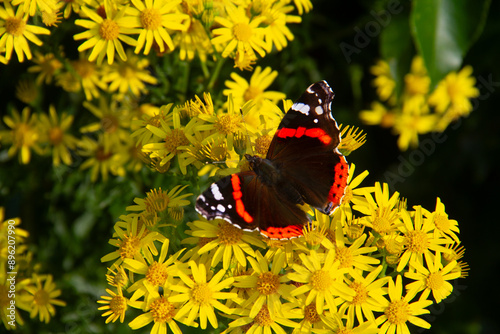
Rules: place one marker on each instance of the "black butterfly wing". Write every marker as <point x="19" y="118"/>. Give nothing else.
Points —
<point x="304" y="149"/>
<point x="244" y="201"/>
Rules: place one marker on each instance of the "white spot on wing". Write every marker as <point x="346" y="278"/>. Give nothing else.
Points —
<point x="229" y="206"/>
<point x="319" y="110"/>
<point x="315" y="120"/>
<point x="221" y="208"/>
<point x="302" y="108"/>
<point x="216" y="192"/>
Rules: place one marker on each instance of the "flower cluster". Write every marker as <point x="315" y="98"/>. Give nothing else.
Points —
<point x="235" y="29"/>
<point x="374" y="266"/>
<point x="178" y="31"/>
<point x="20" y="284"/>
<point x="419" y="109"/>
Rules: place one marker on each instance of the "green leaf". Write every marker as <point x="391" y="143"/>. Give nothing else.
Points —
<point x="397" y="49"/>
<point x="444" y="30"/>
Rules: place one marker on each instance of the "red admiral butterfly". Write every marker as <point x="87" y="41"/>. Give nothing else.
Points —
<point x="303" y="165"/>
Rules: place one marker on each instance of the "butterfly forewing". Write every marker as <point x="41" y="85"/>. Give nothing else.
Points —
<point x="305" y="145"/>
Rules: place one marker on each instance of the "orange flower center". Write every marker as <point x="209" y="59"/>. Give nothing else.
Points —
<point x="397" y="312"/>
<point x="41" y="298"/>
<point x="151" y="19"/>
<point x="242" y="32"/>
<point x="118" y="304"/>
<point x="268" y="283"/>
<point x="157" y="274"/>
<point x="56" y="136"/>
<point x="417" y="241"/>
<point x="251" y="93"/>
<point x="15" y="26"/>
<point x="129" y="247"/>
<point x="109" y="30"/>
<point x="162" y="310"/>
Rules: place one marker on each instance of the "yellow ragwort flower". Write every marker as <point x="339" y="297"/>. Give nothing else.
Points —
<point x="133" y="240"/>
<point x="154" y="275"/>
<point x="268" y="286"/>
<point x="352" y="194"/>
<point x="201" y="294"/>
<point x="369" y="290"/>
<point x="23" y="134"/>
<point x="115" y="305"/>
<point x="256" y="90"/>
<point x="155" y="20"/>
<point x="54" y="130"/>
<point x="117" y="276"/>
<point x="15" y="32"/>
<point x="105" y="35"/>
<point x="351" y="256"/>
<point x="433" y="277"/>
<point x="275" y="22"/>
<point x="88" y="75"/>
<point x="194" y="40"/>
<point x="225" y="126"/>
<point x="113" y="122"/>
<point x="381" y="213"/>
<point x="42" y="297"/>
<point x="227" y="242"/>
<point x="409" y="125"/>
<point x="172" y="141"/>
<point x="452" y="96"/>
<point x="159" y="201"/>
<point x="322" y="280"/>
<point x="444" y="225"/>
<point x="51" y="18"/>
<point x="161" y="312"/>
<point x="399" y="311"/>
<point x="47" y="65"/>
<point x="101" y="160"/>
<point x="129" y="76"/>
<point x="419" y="238"/>
<point x="239" y="34"/>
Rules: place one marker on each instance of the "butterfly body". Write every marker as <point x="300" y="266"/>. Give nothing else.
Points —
<point x="302" y="166"/>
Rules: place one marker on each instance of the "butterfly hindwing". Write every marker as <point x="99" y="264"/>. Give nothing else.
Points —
<point x="244" y="201"/>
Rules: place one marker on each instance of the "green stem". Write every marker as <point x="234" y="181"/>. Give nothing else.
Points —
<point x="384" y="268"/>
<point x="204" y="69"/>
<point x="215" y="73"/>
<point x="185" y="79"/>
